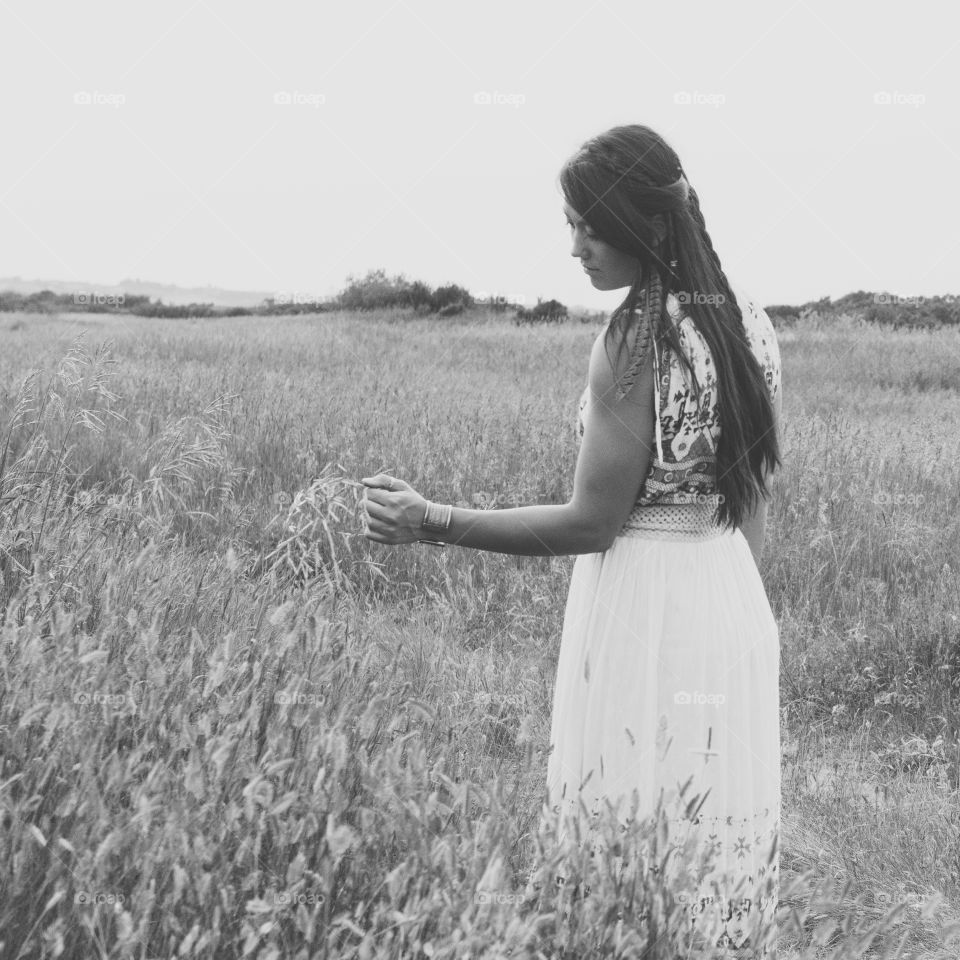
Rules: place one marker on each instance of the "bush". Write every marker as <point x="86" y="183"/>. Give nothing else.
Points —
<point x="418" y="295"/>
<point x="444" y="296"/>
<point x="373" y="292"/>
<point x="377" y="291"/>
<point x="549" y="311"/>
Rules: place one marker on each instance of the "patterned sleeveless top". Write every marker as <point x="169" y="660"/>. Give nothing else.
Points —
<point x="683" y="467"/>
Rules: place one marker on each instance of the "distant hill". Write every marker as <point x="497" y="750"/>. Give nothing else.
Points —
<point x="167" y="292"/>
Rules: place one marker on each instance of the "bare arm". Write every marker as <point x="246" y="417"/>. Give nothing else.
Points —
<point x="612" y="463"/>
<point x="754" y="525"/>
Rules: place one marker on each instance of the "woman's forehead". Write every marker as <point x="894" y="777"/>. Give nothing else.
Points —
<point x="570" y="212"/>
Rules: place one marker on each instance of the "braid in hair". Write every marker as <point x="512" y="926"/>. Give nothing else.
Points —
<point x="653" y="309"/>
<point x="725" y="349"/>
<point x="697" y="215"/>
<point x="673" y="274"/>
<point x="673" y="285"/>
<point x="643" y="313"/>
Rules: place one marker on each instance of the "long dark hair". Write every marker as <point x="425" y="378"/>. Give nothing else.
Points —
<point x="621" y="182"/>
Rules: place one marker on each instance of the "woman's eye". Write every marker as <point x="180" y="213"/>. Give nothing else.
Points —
<point x="589" y="236"/>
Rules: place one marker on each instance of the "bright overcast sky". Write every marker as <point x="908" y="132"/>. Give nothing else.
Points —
<point x="183" y="167"/>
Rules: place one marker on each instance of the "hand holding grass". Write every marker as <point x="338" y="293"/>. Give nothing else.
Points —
<point x="395" y="511"/>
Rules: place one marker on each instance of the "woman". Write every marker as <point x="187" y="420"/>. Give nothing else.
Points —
<point x="669" y="660"/>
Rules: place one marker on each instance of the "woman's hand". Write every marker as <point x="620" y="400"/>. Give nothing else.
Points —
<point x="394" y="510"/>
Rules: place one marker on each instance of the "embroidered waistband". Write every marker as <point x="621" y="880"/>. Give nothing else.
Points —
<point x="673" y="521"/>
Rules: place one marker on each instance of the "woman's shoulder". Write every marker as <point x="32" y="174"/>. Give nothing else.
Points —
<point x="754" y="316"/>
<point x="761" y="335"/>
<point x="756" y="322"/>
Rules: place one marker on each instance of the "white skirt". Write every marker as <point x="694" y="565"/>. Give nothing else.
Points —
<point x="669" y="669"/>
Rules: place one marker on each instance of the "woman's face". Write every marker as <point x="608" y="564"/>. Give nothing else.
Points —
<point x="607" y="267"/>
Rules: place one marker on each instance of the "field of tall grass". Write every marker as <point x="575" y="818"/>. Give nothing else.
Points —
<point x="232" y="726"/>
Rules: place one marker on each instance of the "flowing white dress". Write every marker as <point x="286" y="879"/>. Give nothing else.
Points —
<point x="669" y="661"/>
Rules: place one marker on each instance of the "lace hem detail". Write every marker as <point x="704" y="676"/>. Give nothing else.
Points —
<point x="729" y="912"/>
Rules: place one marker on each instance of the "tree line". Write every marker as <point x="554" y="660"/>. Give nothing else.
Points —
<point x="377" y="291"/>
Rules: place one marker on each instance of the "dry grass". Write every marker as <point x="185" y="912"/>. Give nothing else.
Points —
<point x="232" y="726"/>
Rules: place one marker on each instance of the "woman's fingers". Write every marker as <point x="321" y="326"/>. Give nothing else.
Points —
<point x="374" y="509"/>
<point x="377" y="516"/>
<point x="376" y="531"/>
<point x="377" y="495"/>
<point x="377" y="505"/>
<point x="380" y="480"/>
